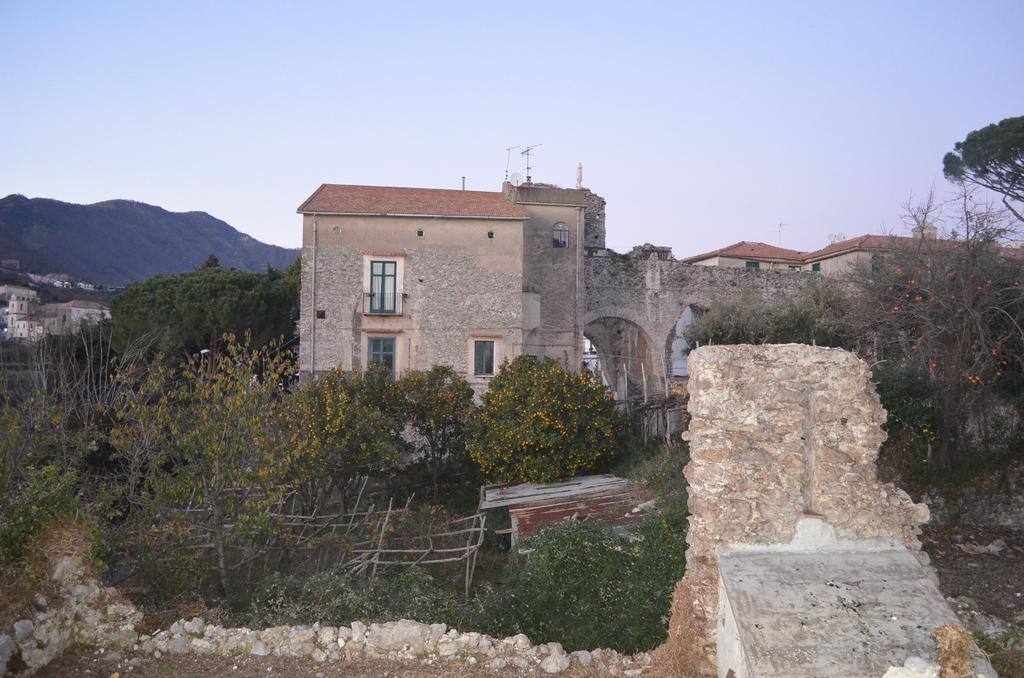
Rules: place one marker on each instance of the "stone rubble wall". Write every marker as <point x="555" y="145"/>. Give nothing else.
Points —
<point x="778" y="432"/>
<point x="87" y="614"/>
<point x="401" y="640"/>
<point x="99" y="617"/>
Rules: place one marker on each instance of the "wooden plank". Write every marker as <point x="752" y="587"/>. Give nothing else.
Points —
<point x="500" y="496"/>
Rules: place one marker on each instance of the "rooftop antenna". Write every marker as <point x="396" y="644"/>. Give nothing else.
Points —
<point x="508" y="158"/>
<point x="780" y="232"/>
<point x="526" y="151"/>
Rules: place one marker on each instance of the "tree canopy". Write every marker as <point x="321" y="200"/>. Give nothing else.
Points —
<point x="193" y="311"/>
<point x="438" y="406"/>
<point x="992" y="157"/>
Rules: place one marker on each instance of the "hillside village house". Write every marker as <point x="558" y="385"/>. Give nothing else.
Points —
<point x="416" y="277"/>
<point x="25" y="318"/>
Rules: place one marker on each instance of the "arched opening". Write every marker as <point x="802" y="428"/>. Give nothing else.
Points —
<point x="625" y="358"/>
<point x="679" y="349"/>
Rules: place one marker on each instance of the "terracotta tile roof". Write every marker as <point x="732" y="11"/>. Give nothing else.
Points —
<point x="764" y="252"/>
<point x="753" y="250"/>
<point x="392" y="200"/>
<point x="863" y="242"/>
<point x="892" y="242"/>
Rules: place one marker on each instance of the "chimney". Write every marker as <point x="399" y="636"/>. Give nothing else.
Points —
<point x="579" y="175"/>
<point x="509" y="190"/>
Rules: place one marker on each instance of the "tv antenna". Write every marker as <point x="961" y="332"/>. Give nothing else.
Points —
<point x="508" y="158"/>
<point x="780" y="232"/>
<point x="526" y="151"/>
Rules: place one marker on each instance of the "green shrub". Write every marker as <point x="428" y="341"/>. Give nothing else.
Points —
<point x="579" y="585"/>
<point x="439" y="407"/>
<point x="539" y="423"/>
<point x="39" y="461"/>
<point x="910" y="400"/>
<point x="584" y="587"/>
<point x="25" y="509"/>
<point x="406" y="593"/>
<point x="818" y="316"/>
<point x="661" y="472"/>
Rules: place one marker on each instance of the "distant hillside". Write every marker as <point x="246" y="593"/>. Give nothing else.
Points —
<point x="119" y="241"/>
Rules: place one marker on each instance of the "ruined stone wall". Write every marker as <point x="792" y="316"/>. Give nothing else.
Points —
<point x="779" y="433"/>
<point x="594" y="220"/>
<point x="648" y="289"/>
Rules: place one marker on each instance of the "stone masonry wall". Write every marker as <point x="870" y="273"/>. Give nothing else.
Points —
<point x="450" y="294"/>
<point x="594" y="220"/>
<point x="648" y="290"/>
<point x="779" y="433"/>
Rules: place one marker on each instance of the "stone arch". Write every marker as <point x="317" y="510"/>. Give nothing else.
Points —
<point x="629" y="361"/>
<point x="678" y="348"/>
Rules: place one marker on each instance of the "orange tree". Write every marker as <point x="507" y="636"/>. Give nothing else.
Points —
<point x="439" y="405"/>
<point x="539" y="422"/>
<point x="342" y="425"/>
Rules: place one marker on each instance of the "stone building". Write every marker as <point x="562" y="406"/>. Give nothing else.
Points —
<point x="415" y="277"/>
<point x="16" y="303"/>
<point x="836" y="259"/>
<point x="25" y="318"/>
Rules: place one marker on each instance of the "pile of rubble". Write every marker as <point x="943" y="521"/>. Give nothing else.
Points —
<point x="85" y="614"/>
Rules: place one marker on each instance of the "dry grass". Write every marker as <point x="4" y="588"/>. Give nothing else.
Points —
<point x="955" y="645"/>
<point x="20" y="583"/>
<point x="681" y="655"/>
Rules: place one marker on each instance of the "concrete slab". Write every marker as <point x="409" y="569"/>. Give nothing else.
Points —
<point x="827" y="614"/>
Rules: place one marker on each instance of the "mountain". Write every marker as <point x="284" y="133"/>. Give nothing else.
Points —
<point x="120" y="241"/>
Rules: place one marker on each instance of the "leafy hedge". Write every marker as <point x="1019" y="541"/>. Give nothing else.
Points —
<point x="579" y="585"/>
<point x="584" y="587"/>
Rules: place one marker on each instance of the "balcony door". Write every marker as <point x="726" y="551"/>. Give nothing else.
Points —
<point x="383" y="286"/>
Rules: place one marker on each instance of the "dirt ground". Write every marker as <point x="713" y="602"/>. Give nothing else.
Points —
<point x="994" y="582"/>
<point x="88" y="663"/>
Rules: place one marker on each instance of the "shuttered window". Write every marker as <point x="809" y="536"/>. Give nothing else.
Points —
<point x="383" y="279"/>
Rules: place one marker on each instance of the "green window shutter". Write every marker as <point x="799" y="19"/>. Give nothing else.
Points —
<point x="816" y="267"/>
<point x="383" y="286"/>
<point x="753" y="264"/>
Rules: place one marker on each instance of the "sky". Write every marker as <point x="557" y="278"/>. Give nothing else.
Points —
<point x="702" y="124"/>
